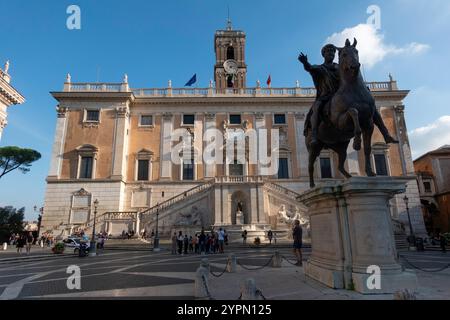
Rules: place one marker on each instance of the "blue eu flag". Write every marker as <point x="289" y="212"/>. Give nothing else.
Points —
<point x="192" y="81"/>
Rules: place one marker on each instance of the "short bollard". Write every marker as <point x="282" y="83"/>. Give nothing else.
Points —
<point x="248" y="290"/>
<point x="276" y="260"/>
<point x="5" y="246"/>
<point x="231" y="263"/>
<point x="201" y="280"/>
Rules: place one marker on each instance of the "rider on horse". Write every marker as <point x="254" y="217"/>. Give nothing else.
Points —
<point x="326" y="80"/>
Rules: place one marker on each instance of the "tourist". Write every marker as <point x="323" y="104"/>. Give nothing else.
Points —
<point x="29" y="241"/>
<point x="186" y="243"/>
<point x="202" y="241"/>
<point x="20" y="243"/>
<point x="297" y="234"/>
<point x="221" y="237"/>
<point x="270" y="236"/>
<point x="180" y="242"/>
<point x="225" y="237"/>
<point x="174" y="243"/>
<point x="244" y="237"/>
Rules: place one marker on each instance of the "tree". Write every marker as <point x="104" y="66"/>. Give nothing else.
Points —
<point x="11" y="221"/>
<point x="12" y="158"/>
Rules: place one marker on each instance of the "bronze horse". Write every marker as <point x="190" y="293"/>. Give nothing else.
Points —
<point x="349" y="114"/>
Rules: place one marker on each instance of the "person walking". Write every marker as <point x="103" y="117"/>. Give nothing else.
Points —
<point x="221" y="238"/>
<point x="270" y="236"/>
<point x="20" y="243"/>
<point x="297" y="234"/>
<point x="29" y="241"/>
<point x="186" y="243"/>
<point x="180" y="242"/>
<point x="202" y="241"/>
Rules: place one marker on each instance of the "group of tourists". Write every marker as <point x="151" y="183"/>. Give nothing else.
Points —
<point x="201" y="243"/>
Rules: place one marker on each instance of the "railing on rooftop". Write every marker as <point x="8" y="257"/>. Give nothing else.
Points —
<point x="211" y="92"/>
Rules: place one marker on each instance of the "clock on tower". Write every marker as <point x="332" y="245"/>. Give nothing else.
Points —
<point x="230" y="70"/>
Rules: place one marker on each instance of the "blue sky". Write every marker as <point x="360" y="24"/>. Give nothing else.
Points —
<point x="154" y="41"/>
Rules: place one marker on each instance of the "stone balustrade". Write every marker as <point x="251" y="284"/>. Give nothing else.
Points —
<point x="211" y="92"/>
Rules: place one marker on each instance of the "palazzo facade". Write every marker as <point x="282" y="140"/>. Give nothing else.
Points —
<point x="115" y="144"/>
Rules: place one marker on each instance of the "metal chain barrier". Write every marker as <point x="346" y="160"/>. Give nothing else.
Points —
<point x="206" y="288"/>
<point x="258" y="268"/>
<point x="259" y="293"/>
<point x="220" y="274"/>
<point x="424" y="270"/>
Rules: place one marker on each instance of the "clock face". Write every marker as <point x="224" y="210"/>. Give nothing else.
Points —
<point x="231" y="66"/>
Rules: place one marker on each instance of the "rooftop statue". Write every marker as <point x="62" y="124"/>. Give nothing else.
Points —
<point x="344" y="108"/>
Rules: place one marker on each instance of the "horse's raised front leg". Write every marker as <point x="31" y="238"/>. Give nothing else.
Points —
<point x="354" y="115"/>
<point x="367" y="136"/>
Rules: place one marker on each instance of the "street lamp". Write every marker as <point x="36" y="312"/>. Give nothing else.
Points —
<point x="93" y="246"/>
<point x="156" y="241"/>
<point x="412" y="237"/>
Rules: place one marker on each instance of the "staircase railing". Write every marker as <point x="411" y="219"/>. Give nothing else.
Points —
<point x="180" y="197"/>
<point x="282" y="190"/>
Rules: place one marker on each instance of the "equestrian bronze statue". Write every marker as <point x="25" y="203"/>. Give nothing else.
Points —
<point x="344" y="109"/>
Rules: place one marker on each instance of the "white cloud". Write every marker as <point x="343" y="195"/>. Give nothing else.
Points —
<point x="371" y="45"/>
<point x="430" y="137"/>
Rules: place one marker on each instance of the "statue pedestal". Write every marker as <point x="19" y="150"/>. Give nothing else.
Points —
<point x="351" y="229"/>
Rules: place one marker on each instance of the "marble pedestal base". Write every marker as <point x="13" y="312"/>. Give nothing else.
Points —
<point x="351" y="230"/>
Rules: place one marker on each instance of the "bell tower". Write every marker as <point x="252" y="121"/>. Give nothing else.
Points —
<point x="230" y="70"/>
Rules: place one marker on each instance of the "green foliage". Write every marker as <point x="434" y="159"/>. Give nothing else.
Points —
<point x="12" y="158"/>
<point x="58" y="248"/>
<point x="11" y="221"/>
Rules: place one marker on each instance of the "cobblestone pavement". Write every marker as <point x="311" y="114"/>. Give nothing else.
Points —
<point x="160" y="275"/>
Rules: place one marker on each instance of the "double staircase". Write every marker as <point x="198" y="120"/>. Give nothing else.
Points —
<point x="149" y="217"/>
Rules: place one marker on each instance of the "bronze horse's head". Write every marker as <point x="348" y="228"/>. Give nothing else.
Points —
<point x="349" y="59"/>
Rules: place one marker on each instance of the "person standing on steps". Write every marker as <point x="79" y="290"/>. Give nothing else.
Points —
<point x="270" y="236"/>
<point x="244" y="237"/>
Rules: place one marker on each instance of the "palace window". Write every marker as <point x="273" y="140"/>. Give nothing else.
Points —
<point x="380" y="164"/>
<point x="143" y="170"/>
<point x="188" y="119"/>
<point x="325" y="168"/>
<point x="188" y="170"/>
<point x="283" y="168"/>
<point x="146" y="121"/>
<point x="92" y="116"/>
<point x="86" y="167"/>
<point x="279" y="119"/>
<point x="236" y="169"/>
<point x="427" y="186"/>
<point x="235" y="119"/>
<point x="230" y="53"/>
<point x="143" y="165"/>
<point x="87" y="156"/>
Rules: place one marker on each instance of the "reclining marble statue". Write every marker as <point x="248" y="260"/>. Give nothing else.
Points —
<point x="344" y="108"/>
